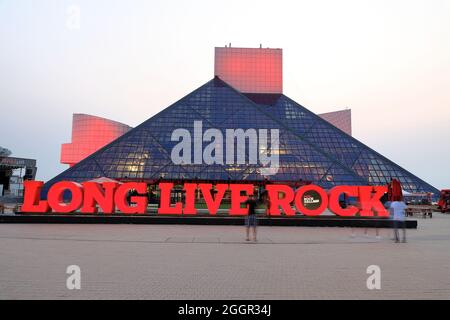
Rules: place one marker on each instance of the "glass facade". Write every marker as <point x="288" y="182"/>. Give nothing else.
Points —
<point x="310" y="148"/>
<point x="370" y="166"/>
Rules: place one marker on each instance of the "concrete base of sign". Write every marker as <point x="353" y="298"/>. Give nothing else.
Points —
<point x="300" y="221"/>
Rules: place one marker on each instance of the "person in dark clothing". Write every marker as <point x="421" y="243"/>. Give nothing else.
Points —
<point x="250" y="220"/>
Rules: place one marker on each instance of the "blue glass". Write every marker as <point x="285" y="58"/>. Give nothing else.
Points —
<point x="312" y="150"/>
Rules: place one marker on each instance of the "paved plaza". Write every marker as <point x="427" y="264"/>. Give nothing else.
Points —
<point x="214" y="262"/>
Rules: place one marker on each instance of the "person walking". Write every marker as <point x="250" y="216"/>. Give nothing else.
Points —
<point x="250" y="220"/>
<point x="398" y="212"/>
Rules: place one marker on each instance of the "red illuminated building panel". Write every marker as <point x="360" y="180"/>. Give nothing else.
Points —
<point x="89" y="133"/>
<point x="250" y="70"/>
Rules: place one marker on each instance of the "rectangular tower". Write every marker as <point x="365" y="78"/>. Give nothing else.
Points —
<point x="250" y="70"/>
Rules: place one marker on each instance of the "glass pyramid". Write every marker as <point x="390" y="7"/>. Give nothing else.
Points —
<point x="311" y="149"/>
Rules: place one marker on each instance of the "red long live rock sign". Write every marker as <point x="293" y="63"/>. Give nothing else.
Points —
<point x="310" y="200"/>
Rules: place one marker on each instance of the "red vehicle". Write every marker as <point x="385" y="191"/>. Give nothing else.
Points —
<point x="444" y="200"/>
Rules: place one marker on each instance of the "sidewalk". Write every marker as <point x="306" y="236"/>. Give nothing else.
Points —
<point x="214" y="262"/>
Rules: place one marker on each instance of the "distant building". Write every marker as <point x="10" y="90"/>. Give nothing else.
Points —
<point x="341" y="119"/>
<point x="13" y="171"/>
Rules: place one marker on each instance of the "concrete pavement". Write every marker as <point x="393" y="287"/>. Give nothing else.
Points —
<point x="214" y="262"/>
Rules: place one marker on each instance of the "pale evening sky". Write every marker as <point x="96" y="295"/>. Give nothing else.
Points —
<point x="389" y="61"/>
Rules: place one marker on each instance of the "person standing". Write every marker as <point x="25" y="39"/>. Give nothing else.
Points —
<point x="250" y="220"/>
<point x="398" y="211"/>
